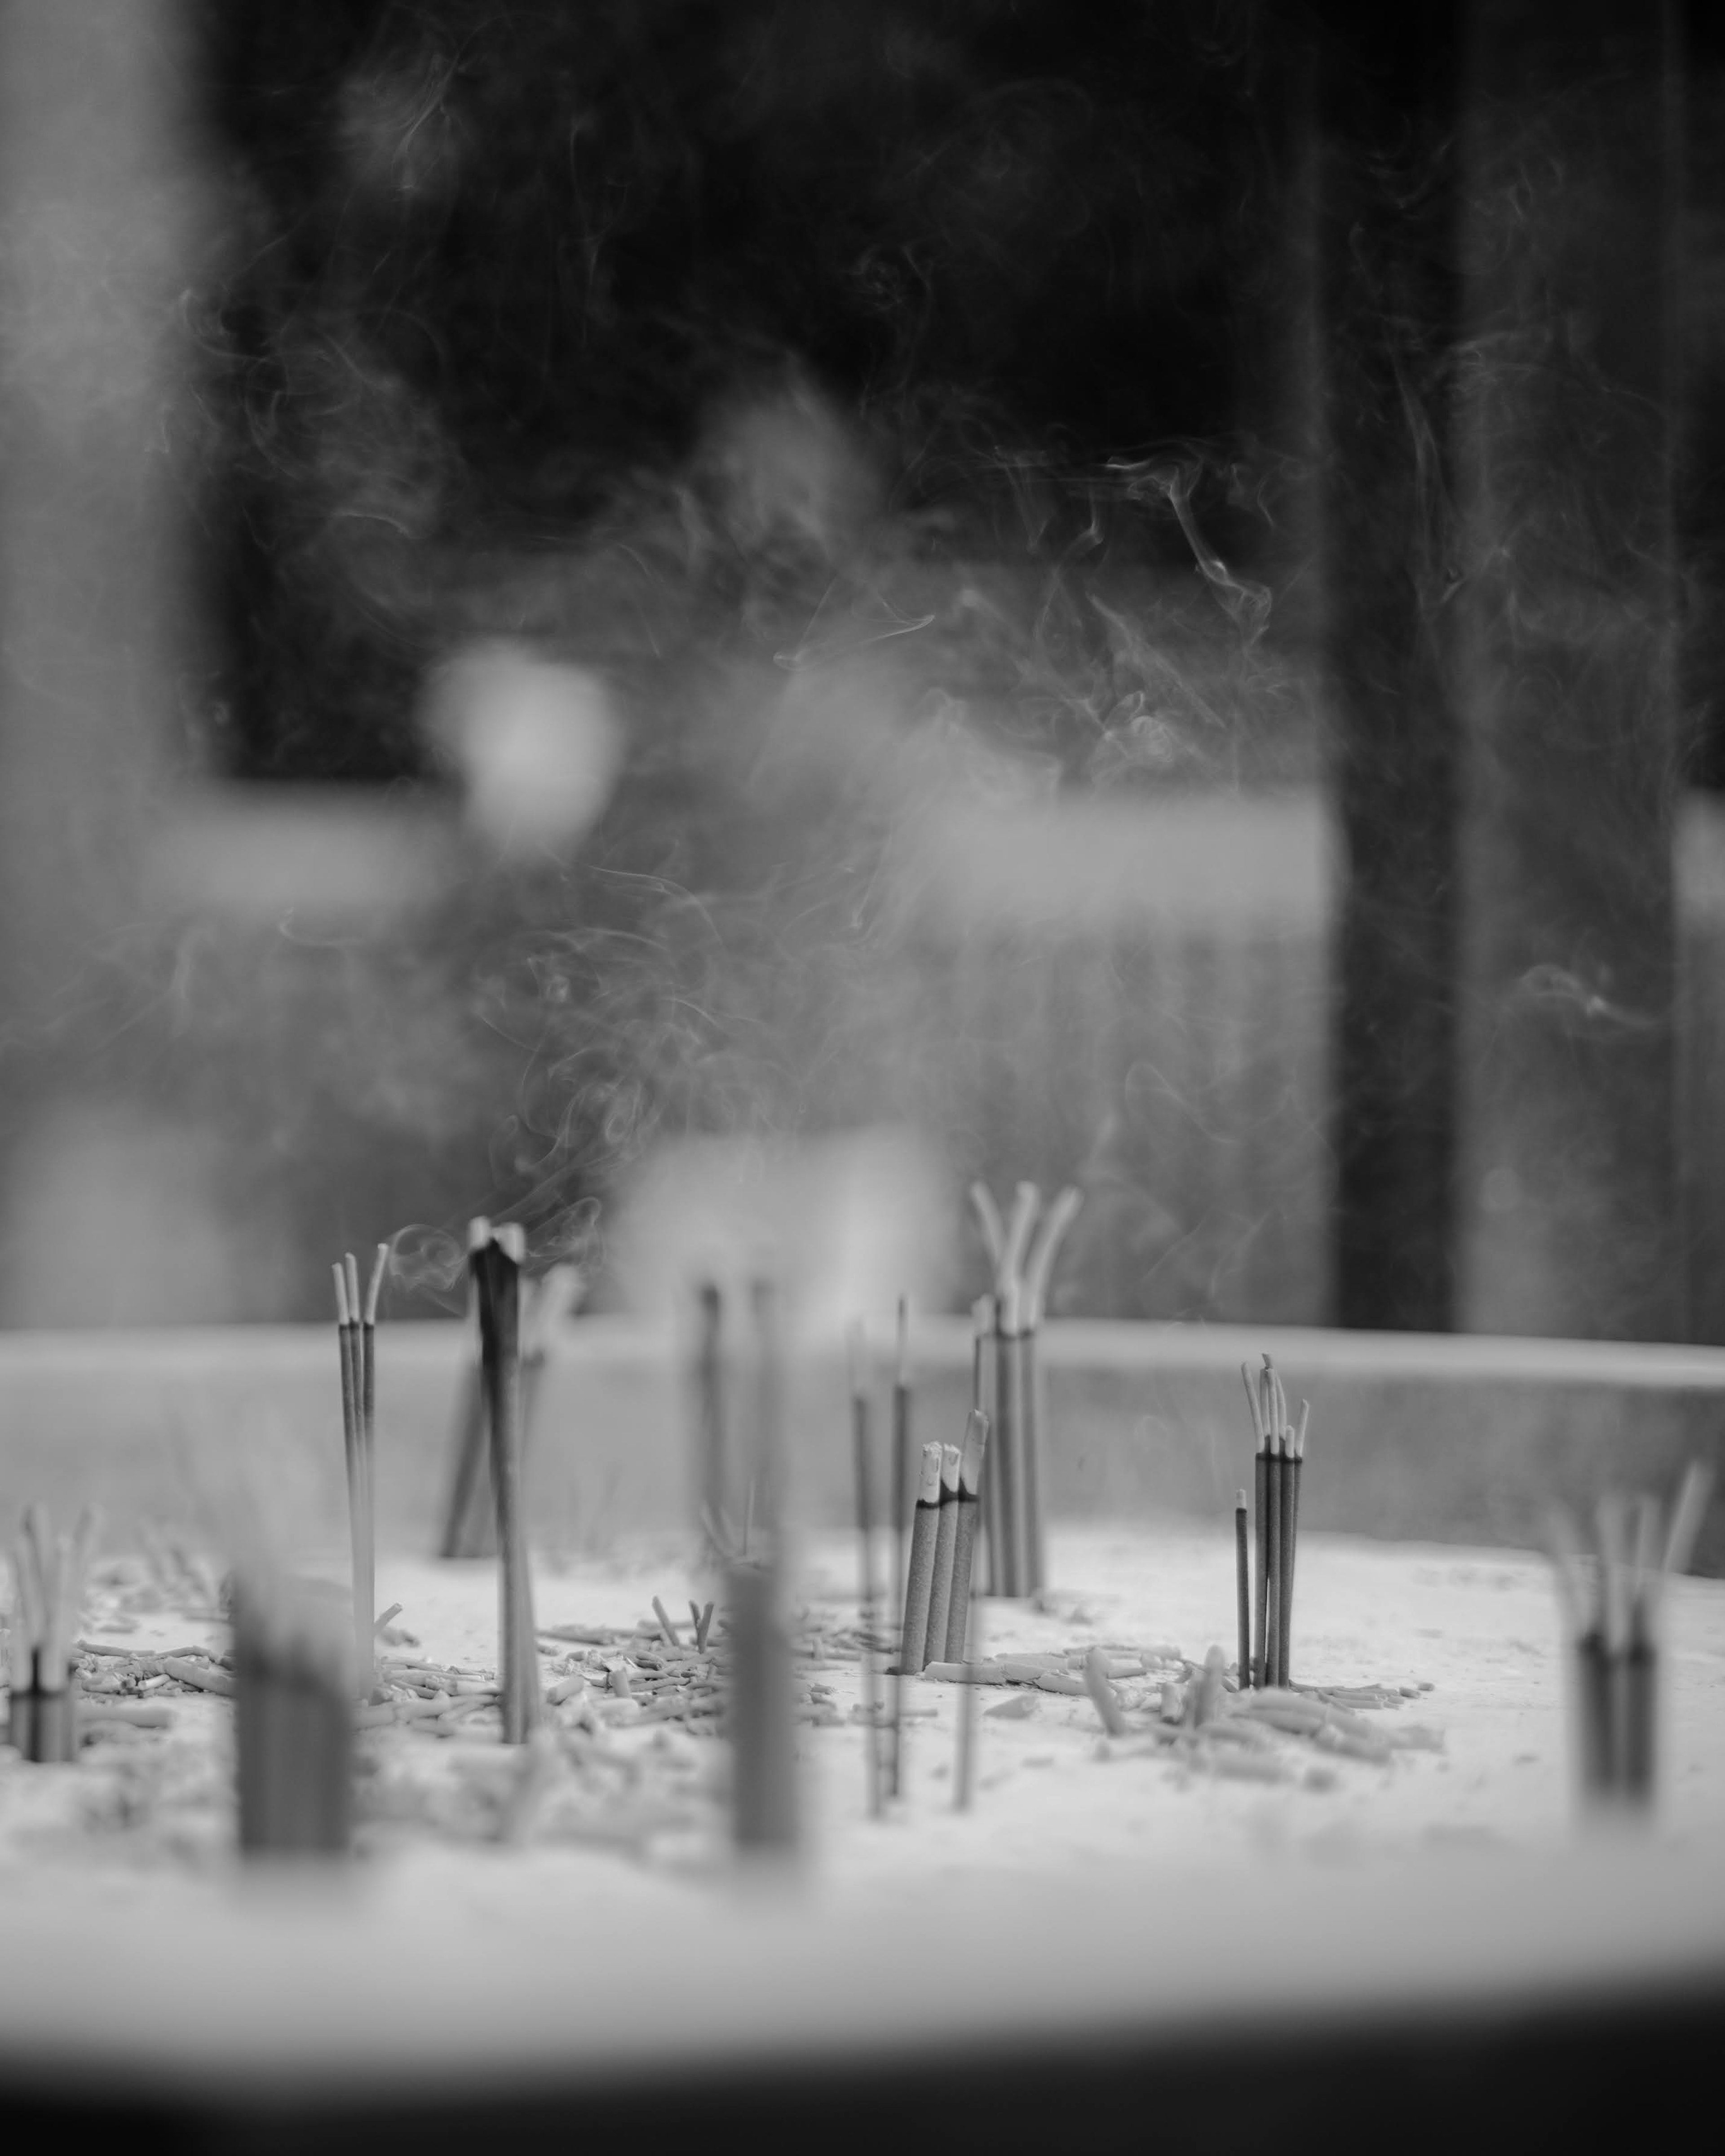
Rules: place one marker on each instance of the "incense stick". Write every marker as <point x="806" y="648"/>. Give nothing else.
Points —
<point x="1009" y="1374"/>
<point x="470" y="1520"/>
<point x="1260" y="1515"/>
<point x="965" y="1765"/>
<point x="946" y="1540"/>
<point x="48" y="1577"/>
<point x="865" y="1562"/>
<point x="496" y="1258"/>
<point x="1243" y="1589"/>
<point x="1039" y="1273"/>
<point x="919" y="1574"/>
<point x="709" y="1410"/>
<point x="973" y="1461"/>
<point x="1611" y="1614"/>
<point x="763" y="1717"/>
<point x="903" y="1471"/>
<point x="982" y="1398"/>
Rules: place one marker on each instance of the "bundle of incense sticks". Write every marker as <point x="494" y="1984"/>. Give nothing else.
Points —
<point x="470" y="1514"/>
<point x="292" y="1689"/>
<point x="357" y="1341"/>
<point x="495" y="1258"/>
<point x="1023" y="1267"/>
<point x="765" y="1823"/>
<point x="939" y="1576"/>
<point x="1612" y="1599"/>
<point x="1277" y="1469"/>
<point x="48" y="1577"/>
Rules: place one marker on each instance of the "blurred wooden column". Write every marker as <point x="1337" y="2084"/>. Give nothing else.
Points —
<point x="95" y="223"/>
<point x="1385" y="297"/>
<point x="1570" y="1184"/>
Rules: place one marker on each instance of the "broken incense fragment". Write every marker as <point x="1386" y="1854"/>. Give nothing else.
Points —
<point x="1209" y="1692"/>
<point x="1102" y="1694"/>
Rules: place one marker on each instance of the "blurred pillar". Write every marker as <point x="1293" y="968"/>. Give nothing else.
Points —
<point x="1386" y="297"/>
<point x="95" y="220"/>
<point x="1568" y="1178"/>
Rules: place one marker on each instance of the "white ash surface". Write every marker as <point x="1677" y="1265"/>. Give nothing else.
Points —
<point x="625" y="1804"/>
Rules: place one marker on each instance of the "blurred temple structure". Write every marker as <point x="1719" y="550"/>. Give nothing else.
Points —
<point x="1136" y="592"/>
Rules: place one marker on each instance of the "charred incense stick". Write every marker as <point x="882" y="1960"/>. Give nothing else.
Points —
<point x="946" y="1540"/>
<point x="866" y="1563"/>
<point x="471" y="1523"/>
<point x="1243" y="1588"/>
<point x="972" y="1462"/>
<point x="919" y="1574"/>
<point x="496" y="1258"/>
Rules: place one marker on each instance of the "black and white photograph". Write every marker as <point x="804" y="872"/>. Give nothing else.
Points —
<point x="862" y="1075"/>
